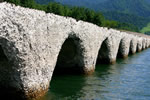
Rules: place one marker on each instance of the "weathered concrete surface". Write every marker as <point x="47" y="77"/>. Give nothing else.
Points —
<point x="124" y="46"/>
<point x="139" y="44"/>
<point x="109" y="47"/>
<point x="133" y="45"/>
<point x="35" y="42"/>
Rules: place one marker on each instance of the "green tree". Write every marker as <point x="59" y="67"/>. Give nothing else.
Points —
<point x="17" y="2"/>
<point x="98" y="19"/>
<point x="78" y="13"/>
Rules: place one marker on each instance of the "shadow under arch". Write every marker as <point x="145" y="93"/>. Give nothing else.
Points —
<point x="70" y="59"/>
<point x="68" y="72"/>
<point x="132" y="47"/>
<point x="4" y="65"/>
<point x="119" y="54"/>
<point x="124" y="48"/>
<point x="4" y="62"/>
<point x="8" y="65"/>
<point x="103" y="55"/>
<point x="138" y="47"/>
<point x="3" y="57"/>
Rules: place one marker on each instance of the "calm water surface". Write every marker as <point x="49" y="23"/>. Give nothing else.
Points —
<point x="128" y="79"/>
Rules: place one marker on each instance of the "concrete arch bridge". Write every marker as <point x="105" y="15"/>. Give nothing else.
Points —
<point x="32" y="43"/>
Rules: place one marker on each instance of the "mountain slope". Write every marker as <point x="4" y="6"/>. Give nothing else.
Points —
<point x="138" y="21"/>
<point x="146" y="29"/>
<point x="44" y="1"/>
<point x="135" y="12"/>
<point x="137" y="7"/>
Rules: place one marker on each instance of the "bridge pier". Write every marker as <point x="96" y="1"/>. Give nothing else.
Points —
<point x="139" y="45"/>
<point x="108" y="50"/>
<point x="143" y="44"/>
<point x="11" y="65"/>
<point x="133" y="45"/>
<point x="124" y="47"/>
<point x="147" y="44"/>
<point x="72" y="57"/>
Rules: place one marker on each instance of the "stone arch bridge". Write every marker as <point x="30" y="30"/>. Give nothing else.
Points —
<point x="32" y="43"/>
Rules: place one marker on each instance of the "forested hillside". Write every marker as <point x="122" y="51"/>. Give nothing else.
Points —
<point x="78" y="13"/>
<point x="137" y="7"/>
<point x="44" y="1"/>
<point x="136" y="12"/>
<point x="138" y="21"/>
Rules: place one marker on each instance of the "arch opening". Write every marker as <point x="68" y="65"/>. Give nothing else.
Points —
<point x="70" y="58"/>
<point x="103" y="55"/>
<point x="132" y="48"/>
<point x="4" y="70"/>
<point x="4" y="63"/>
<point x="137" y="48"/>
<point x="69" y="64"/>
<point x="120" y="50"/>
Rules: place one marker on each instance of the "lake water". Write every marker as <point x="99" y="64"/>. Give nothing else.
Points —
<point x="128" y="79"/>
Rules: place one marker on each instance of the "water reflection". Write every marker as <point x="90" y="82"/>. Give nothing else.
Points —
<point x="65" y="88"/>
<point x="128" y="79"/>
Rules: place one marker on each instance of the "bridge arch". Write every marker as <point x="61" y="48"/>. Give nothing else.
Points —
<point x="124" y="47"/>
<point x="147" y="43"/>
<point x="108" y="50"/>
<point x="133" y="46"/>
<point x="103" y="52"/>
<point x="71" y="56"/>
<point x="139" y="45"/>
